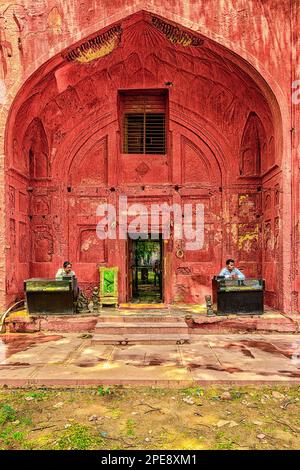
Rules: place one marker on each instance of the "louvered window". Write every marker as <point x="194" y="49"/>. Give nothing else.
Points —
<point x="144" y="123"/>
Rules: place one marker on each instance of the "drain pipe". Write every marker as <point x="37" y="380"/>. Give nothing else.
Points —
<point x="4" y="315"/>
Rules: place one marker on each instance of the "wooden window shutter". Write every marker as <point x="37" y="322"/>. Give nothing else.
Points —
<point x="144" y="123"/>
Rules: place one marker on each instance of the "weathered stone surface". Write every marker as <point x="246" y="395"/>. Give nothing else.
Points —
<point x="69" y="360"/>
<point x="232" y="136"/>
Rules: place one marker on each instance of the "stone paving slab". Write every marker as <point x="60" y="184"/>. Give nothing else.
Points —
<point x="110" y="372"/>
<point x="16" y="375"/>
<point x="148" y="355"/>
<point x="229" y="358"/>
<point x="52" y="352"/>
<point x="250" y="358"/>
<point x="89" y="355"/>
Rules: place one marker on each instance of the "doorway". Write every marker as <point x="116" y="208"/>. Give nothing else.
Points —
<point x="146" y="270"/>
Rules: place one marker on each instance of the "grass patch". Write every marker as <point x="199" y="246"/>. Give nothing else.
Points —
<point x="11" y="438"/>
<point x="77" y="437"/>
<point x="148" y="417"/>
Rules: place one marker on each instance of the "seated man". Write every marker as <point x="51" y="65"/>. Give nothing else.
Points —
<point x="66" y="271"/>
<point x="230" y="272"/>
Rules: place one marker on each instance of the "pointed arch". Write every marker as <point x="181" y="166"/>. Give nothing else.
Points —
<point x="35" y="150"/>
<point x="253" y="147"/>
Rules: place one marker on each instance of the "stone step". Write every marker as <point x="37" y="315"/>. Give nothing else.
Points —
<point x="140" y="319"/>
<point x="141" y="328"/>
<point x="144" y="306"/>
<point x="131" y="339"/>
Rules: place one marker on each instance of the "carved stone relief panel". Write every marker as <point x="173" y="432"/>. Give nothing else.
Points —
<point x="268" y="241"/>
<point x="91" y="248"/>
<point x="277" y="194"/>
<point x="85" y="205"/>
<point x="247" y="206"/>
<point x="43" y="245"/>
<point x="12" y="198"/>
<point x="52" y="116"/>
<point x="69" y="102"/>
<point x="86" y="92"/>
<point x="12" y="235"/>
<point x="249" y="242"/>
<point x="276" y="238"/>
<point x="41" y="205"/>
<point x="183" y="270"/>
<point x="23" y="202"/>
<point x="141" y="169"/>
<point x="24" y="243"/>
<point x="267" y="203"/>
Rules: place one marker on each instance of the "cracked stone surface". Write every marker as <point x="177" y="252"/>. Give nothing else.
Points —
<point x="70" y="360"/>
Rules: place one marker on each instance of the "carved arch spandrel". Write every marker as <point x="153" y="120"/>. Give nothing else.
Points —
<point x="201" y="150"/>
<point x="89" y="164"/>
<point x="197" y="166"/>
<point x="80" y="141"/>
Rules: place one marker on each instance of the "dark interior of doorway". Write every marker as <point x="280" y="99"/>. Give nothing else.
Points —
<point x="147" y="271"/>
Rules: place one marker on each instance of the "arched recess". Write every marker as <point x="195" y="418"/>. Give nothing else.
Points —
<point x="253" y="153"/>
<point x="71" y="105"/>
<point x="35" y="150"/>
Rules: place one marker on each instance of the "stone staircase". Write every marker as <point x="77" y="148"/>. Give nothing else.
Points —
<point x="141" y="329"/>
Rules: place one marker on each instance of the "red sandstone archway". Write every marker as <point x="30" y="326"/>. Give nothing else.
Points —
<point x="64" y="156"/>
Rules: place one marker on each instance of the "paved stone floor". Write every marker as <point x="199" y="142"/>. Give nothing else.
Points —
<point x="70" y="358"/>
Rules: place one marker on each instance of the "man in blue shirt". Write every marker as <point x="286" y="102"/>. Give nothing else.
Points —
<point x="230" y="272"/>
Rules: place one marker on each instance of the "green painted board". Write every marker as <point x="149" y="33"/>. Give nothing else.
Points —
<point x="108" y="284"/>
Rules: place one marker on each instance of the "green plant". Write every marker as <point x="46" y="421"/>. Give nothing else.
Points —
<point x="18" y="436"/>
<point x="195" y="391"/>
<point x="103" y="391"/>
<point x="7" y="413"/>
<point x="130" y="427"/>
<point x="37" y="395"/>
<point x="5" y="434"/>
<point x="223" y="443"/>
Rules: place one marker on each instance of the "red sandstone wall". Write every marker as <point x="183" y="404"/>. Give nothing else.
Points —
<point x="35" y="32"/>
<point x="295" y="138"/>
